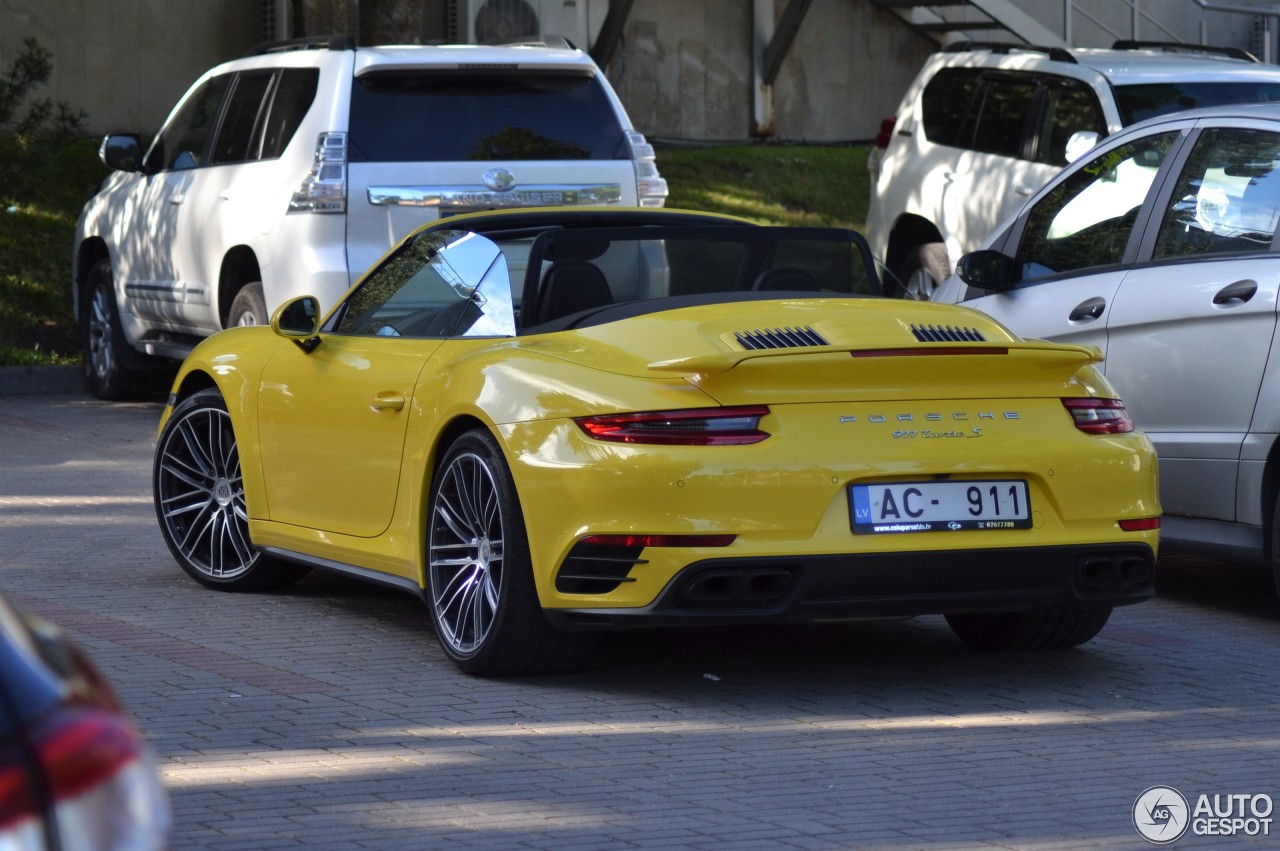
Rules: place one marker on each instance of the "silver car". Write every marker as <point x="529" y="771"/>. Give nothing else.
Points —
<point x="1160" y="248"/>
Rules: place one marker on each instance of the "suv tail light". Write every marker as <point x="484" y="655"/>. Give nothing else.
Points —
<point x="324" y="189"/>
<point x="1099" y="416"/>
<point x="651" y="188"/>
<point x="886" y="131"/>
<point x="695" y="427"/>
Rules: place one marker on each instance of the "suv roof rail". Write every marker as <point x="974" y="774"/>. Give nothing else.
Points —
<point x="328" y="42"/>
<point x="1184" y="47"/>
<point x="556" y="41"/>
<point x="1061" y="54"/>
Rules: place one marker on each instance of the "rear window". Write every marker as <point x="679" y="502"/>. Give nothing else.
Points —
<point x="1148" y="100"/>
<point x="453" y="116"/>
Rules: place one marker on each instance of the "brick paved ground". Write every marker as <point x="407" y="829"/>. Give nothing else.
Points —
<point x="326" y="717"/>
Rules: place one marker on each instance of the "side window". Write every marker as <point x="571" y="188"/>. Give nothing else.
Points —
<point x="1070" y="107"/>
<point x="181" y="144"/>
<point x="945" y="103"/>
<point x="243" y="114"/>
<point x="1227" y="199"/>
<point x="1002" y="119"/>
<point x="293" y="97"/>
<point x="1085" y="221"/>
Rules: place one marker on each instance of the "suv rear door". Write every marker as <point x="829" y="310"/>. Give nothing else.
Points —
<point x="430" y="141"/>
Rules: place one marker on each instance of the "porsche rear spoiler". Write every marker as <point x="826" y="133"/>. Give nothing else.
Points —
<point x="717" y="363"/>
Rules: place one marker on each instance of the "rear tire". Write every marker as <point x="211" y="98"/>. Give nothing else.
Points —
<point x="923" y="271"/>
<point x="1047" y="629"/>
<point x="103" y="341"/>
<point x="480" y="587"/>
<point x="249" y="307"/>
<point x="198" y="491"/>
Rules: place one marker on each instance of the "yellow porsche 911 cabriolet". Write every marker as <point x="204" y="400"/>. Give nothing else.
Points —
<point x="552" y="422"/>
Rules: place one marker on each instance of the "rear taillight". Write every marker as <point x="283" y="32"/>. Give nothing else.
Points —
<point x="324" y="189"/>
<point x="695" y="427"/>
<point x="651" y="188"/>
<point x="886" y="131"/>
<point x="1099" y="416"/>
<point x="97" y="776"/>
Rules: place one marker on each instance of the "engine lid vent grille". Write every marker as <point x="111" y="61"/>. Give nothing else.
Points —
<point x="780" y="338"/>
<point x="946" y="334"/>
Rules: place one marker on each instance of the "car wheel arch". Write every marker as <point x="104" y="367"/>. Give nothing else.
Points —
<point x="88" y="254"/>
<point x="1270" y="499"/>
<point x="909" y="232"/>
<point x="239" y="267"/>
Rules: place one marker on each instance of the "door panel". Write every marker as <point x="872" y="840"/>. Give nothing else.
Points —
<point x="1071" y="310"/>
<point x="1189" y="362"/>
<point x="332" y="435"/>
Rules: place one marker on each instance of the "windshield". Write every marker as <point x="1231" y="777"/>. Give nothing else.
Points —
<point x="452" y="283"/>
<point x="1138" y="102"/>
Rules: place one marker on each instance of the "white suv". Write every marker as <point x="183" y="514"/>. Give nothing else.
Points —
<point x="292" y="170"/>
<point x="984" y="126"/>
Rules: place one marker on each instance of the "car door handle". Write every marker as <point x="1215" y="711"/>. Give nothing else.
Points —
<point x="1236" y="294"/>
<point x="1089" y="310"/>
<point x="1024" y="191"/>
<point x="387" y="400"/>
<point x="177" y="199"/>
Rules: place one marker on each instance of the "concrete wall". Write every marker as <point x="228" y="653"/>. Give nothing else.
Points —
<point x="126" y="62"/>
<point x="684" y="71"/>
<point x="1097" y="23"/>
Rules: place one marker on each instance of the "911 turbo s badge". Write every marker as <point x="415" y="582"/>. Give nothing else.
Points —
<point x="959" y="423"/>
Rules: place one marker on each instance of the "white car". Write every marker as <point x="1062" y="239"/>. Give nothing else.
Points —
<point x="983" y="127"/>
<point x="292" y="170"/>
<point x="1160" y="248"/>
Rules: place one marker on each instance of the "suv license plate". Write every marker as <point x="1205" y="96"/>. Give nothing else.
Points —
<point x="939" y="506"/>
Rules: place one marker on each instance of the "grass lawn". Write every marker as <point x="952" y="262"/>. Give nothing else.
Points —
<point x="771" y="184"/>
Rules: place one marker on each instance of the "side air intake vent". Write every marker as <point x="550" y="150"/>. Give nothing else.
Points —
<point x="780" y="338"/>
<point x="946" y="334"/>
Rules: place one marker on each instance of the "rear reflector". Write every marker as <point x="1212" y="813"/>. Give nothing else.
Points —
<point x="886" y="131"/>
<point x="660" y="540"/>
<point x="930" y="351"/>
<point x="1099" y="416"/>
<point x="693" y="427"/>
<point x="1142" y="524"/>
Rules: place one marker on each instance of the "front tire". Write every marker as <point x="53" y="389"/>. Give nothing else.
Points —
<point x="198" y="491"/>
<point x="480" y="587"/>
<point x="1047" y="629"/>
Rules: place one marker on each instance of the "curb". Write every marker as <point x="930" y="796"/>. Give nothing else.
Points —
<point x="41" y="380"/>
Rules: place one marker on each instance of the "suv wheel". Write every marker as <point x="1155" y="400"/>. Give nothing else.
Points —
<point x="103" y="339"/>
<point x="923" y="271"/>
<point x="249" y="307"/>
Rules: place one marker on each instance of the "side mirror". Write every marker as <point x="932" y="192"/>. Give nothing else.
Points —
<point x="298" y="319"/>
<point x="986" y="270"/>
<point x="121" y="151"/>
